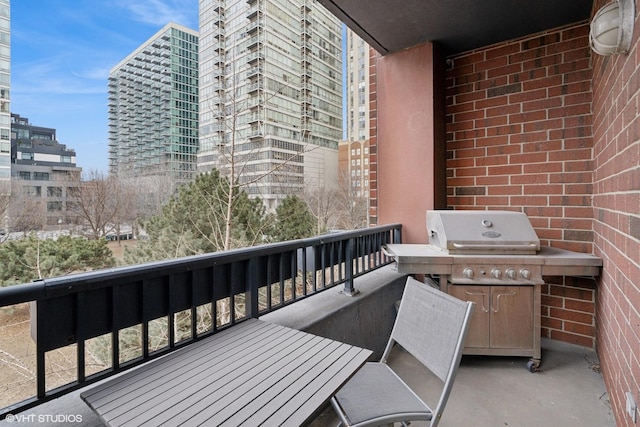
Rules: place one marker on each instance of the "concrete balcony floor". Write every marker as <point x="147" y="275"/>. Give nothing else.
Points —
<point x="500" y="391"/>
<point x="488" y="392"/>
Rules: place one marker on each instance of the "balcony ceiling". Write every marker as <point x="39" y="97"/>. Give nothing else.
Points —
<point x="456" y="25"/>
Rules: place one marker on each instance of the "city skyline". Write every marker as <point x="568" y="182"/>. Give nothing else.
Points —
<point x="61" y="57"/>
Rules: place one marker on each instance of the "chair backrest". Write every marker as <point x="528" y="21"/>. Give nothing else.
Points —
<point x="432" y="326"/>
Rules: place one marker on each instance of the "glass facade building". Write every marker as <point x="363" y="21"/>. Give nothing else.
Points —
<point x="270" y="94"/>
<point x="153" y="108"/>
<point x="357" y="78"/>
<point x="5" y="82"/>
<point x="355" y="152"/>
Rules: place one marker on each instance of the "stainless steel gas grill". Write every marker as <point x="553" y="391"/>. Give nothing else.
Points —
<point x="494" y="259"/>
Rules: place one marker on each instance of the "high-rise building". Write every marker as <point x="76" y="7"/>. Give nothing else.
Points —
<point x="43" y="171"/>
<point x="153" y="108"/>
<point x="357" y="85"/>
<point x="5" y="110"/>
<point x="354" y="150"/>
<point x="270" y="94"/>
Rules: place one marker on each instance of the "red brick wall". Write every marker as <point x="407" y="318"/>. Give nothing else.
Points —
<point x="519" y="137"/>
<point x="616" y="201"/>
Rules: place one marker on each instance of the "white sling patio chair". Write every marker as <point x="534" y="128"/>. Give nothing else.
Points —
<point x="430" y="325"/>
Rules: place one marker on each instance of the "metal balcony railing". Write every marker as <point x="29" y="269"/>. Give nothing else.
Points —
<point x="71" y="312"/>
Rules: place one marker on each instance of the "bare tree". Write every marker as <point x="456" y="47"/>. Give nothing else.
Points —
<point x="323" y="202"/>
<point x="98" y="202"/>
<point x="352" y="206"/>
<point x="26" y="209"/>
<point x="5" y="198"/>
<point x="242" y="153"/>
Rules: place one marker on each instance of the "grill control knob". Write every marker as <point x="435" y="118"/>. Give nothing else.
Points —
<point x="511" y="273"/>
<point x="526" y="274"/>
<point x="496" y="273"/>
<point x="468" y="273"/>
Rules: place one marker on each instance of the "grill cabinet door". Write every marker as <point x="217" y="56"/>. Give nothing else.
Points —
<point x="503" y="317"/>
<point x="511" y="317"/>
<point x="478" y="335"/>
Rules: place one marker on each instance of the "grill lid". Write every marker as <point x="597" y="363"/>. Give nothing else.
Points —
<point x="482" y="232"/>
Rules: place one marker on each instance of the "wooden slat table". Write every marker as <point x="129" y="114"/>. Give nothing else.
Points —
<point x="254" y="373"/>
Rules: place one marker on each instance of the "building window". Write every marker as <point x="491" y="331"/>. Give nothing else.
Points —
<point x="54" y="206"/>
<point x="65" y="159"/>
<point x="25" y="175"/>
<point x="32" y="191"/>
<point x="26" y="156"/>
<point x="41" y="176"/>
<point x="54" y="191"/>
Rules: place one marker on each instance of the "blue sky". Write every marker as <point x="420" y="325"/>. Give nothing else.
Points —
<point x="61" y="54"/>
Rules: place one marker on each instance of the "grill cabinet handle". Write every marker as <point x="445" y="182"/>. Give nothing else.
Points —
<point x="490" y="247"/>
<point x="502" y="294"/>
<point x="478" y="294"/>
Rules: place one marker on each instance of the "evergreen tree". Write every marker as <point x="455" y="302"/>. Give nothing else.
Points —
<point x="293" y="220"/>
<point x="28" y="259"/>
<point x="194" y="221"/>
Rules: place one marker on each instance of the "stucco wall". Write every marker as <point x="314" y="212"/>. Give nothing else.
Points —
<point x="408" y="134"/>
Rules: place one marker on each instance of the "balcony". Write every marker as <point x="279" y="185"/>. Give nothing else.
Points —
<point x="304" y="284"/>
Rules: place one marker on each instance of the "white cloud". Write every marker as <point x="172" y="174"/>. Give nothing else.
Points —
<point x="160" y="12"/>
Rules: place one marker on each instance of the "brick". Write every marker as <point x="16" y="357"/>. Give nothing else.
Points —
<point x="541" y="104"/>
<point x="488" y="64"/>
<point x="495" y="140"/>
<point x="505" y="190"/>
<point x="529" y="116"/>
<point x="502" y="201"/>
<point x="491" y="161"/>
<point x="501" y="111"/>
<point x="461" y="163"/>
<point x="470" y="191"/>
<point x="529" y="200"/>
<point x="503" y="50"/>
<point x="503" y="149"/>
<point x="531" y="178"/>
<point x="572" y="316"/>
<point x="573" y="293"/>
<point x="579" y="328"/>
<point x="502" y="90"/>
<point x="569" y="201"/>
<point x="529" y="137"/>
<point x="535" y="162"/>
<point x="504" y="130"/>
<point x="551" y="323"/>
<point x="507" y="69"/>
<point x="579" y="235"/>
<point x="505" y="170"/>
<point x="543" y="189"/>
<point x="496" y="82"/>
<point x="492" y="121"/>
<point x="531" y="72"/>
<point x="549" y="82"/>
<point x="492" y="180"/>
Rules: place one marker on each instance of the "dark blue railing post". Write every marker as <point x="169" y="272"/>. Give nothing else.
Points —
<point x="349" y="288"/>
<point x="251" y="303"/>
<point x="397" y="235"/>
